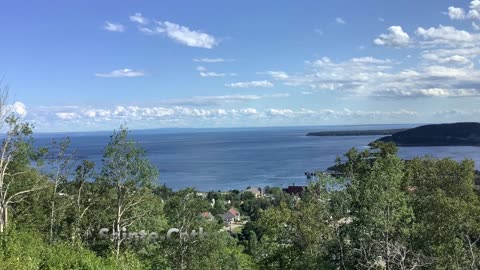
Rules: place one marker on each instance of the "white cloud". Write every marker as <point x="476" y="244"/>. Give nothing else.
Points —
<point x="18" y="108"/>
<point x="212" y="74"/>
<point x="279" y="75"/>
<point x="74" y="118"/>
<point x="249" y="111"/>
<point x="429" y="92"/>
<point x="370" y="60"/>
<point x="445" y="35"/>
<point x="138" y="18"/>
<point x="474" y="12"/>
<point x="212" y="60"/>
<point x="442" y="73"/>
<point x="212" y="100"/>
<point x="113" y="27"/>
<point x="67" y="115"/>
<point x="340" y="20"/>
<point x="456" y="13"/>
<point x="126" y="72"/>
<point x="306" y="93"/>
<point x="179" y="33"/>
<point x="203" y="72"/>
<point x="454" y="59"/>
<point x="396" y="37"/>
<point x="251" y="84"/>
<point x="185" y="36"/>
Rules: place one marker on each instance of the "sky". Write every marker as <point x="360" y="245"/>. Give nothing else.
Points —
<point x="94" y="65"/>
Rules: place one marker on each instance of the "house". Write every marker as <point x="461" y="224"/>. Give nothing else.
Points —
<point x="256" y="191"/>
<point x="202" y="194"/>
<point x="294" y="190"/>
<point x="232" y="215"/>
<point x="208" y="216"/>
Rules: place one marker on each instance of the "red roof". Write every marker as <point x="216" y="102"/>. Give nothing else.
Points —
<point x="234" y="211"/>
<point x="206" y="214"/>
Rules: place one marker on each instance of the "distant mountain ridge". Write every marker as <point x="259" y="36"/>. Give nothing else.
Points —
<point x="356" y="132"/>
<point x="454" y="134"/>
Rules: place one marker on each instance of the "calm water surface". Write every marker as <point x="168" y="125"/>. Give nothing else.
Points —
<point x="221" y="159"/>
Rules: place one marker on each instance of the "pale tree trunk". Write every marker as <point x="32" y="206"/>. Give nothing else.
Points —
<point x="63" y="169"/>
<point x="118" y="223"/>
<point x="15" y="131"/>
<point x="52" y="212"/>
<point x="3" y="218"/>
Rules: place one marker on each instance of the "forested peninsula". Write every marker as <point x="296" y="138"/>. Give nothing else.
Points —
<point x="452" y="134"/>
<point x="455" y="134"/>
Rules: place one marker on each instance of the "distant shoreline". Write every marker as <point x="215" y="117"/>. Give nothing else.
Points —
<point x="383" y="132"/>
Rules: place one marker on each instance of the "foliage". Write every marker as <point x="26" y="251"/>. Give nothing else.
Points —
<point x="381" y="213"/>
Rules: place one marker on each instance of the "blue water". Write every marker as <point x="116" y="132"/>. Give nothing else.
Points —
<point x="222" y="159"/>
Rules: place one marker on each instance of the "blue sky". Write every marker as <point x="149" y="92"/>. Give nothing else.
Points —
<point x="85" y="65"/>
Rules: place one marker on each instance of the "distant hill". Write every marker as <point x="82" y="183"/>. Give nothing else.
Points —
<point x="455" y="134"/>
<point x="356" y="132"/>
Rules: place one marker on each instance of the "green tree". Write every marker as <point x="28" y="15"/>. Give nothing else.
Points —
<point x="15" y="154"/>
<point x="129" y="176"/>
<point x="447" y="211"/>
<point x="381" y="215"/>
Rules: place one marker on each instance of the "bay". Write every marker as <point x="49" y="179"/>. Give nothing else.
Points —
<point x="235" y="158"/>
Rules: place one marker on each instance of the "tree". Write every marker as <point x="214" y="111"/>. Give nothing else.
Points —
<point x="84" y="196"/>
<point x="382" y="216"/>
<point x="183" y="212"/>
<point x="60" y="165"/>
<point x="15" y="153"/>
<point x="129" y="175"/>
<point x="447" y="211"/>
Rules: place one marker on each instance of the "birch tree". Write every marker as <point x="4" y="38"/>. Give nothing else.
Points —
<point x="14" y="158"/>
<point x="130" y="174"/>
<point x="61" y="165"/>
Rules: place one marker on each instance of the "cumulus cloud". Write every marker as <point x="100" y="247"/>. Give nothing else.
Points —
<point x="446" y="73"/>
<point x="18" y="108"/>
<point x="81" y="118"/>
<point x="453" y="60"/>
<point x="325" y="74"/>
<point x="113" y="27"/>
<point x="131" y="113"/>
<point x="177" y="114"/>
<point x="67" y="115"/>
<point x="474" y="12"/>
<point x="119" y="73"/>
<point x="395" y="37"/>
<point x="446" y="36"/>
<point x="138" y="18"/>
<point x="251" y="84"/>
<point x="456" y="13"/>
